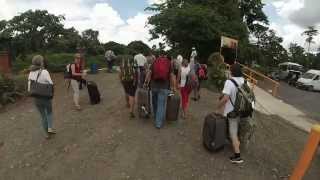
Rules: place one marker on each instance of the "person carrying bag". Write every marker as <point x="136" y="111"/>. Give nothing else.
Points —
<point x="40" y="87"/>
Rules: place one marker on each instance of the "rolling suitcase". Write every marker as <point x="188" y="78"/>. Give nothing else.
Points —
<point x="144" y="103"/>
<point x="94" y="93"/>
<point x="214" y="132"/>
<point x="173" y="106"/>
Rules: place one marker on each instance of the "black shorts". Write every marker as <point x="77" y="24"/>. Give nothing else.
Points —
<point x="129" y="87"/>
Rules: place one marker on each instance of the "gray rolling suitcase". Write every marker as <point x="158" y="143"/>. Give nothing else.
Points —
<point x="173" y="106"/>
<point x="214" y="132"/>
<point x="144" y="109"/>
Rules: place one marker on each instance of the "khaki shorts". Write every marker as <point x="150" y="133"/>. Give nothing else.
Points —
<point x="234" y="127"/>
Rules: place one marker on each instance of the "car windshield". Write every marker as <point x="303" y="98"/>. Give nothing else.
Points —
<point x="308" y="76"/>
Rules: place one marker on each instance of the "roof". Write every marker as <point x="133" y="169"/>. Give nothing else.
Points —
<point x="290" y="63"/>
<point x="313" y="71"/>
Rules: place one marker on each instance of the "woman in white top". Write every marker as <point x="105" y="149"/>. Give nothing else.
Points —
<point x="43" y="104"/>
<point x="184" y="88"/>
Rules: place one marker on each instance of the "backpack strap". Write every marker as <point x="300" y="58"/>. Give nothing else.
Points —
<point x="237" y="86"/>
<point x="39" y="73"/>
<point x="234" y="82"/>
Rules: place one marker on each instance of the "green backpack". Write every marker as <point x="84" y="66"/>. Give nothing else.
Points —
<point x="128" y="70"/>
<point x="245" y="99"/>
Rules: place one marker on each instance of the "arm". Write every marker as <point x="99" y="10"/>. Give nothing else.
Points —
<point x="223" y="101"/>
<point x="148" y="78"/>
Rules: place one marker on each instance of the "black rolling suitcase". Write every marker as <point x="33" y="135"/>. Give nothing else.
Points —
<point x="94" y="93"/>
<point x="173" y="106"/>
<point x="214" y="132"/>
<point x="144" y="103"/>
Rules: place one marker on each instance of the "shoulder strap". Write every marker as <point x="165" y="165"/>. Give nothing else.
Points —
<point x="234" y="82"/>
<point x="39" y="73"/>
<point x="237" y="86"/>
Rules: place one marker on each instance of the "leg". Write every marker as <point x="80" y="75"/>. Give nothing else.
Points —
<point x="127" y="100"/>
<point x="161" y="107"/>
<point x="42" y="111"/>
<point x="233" y="130"/>
<point x="49" y="115"/>
<point x="155" y="102"/>
<point x="76" y="93"/>
<point x="183" y="101"/>
<point x="132" y="102"/>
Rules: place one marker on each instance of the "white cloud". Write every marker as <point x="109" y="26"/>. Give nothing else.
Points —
<point x="83" y="14"/>
<point x="295" y="16"/>
<point x="156" y="1"/>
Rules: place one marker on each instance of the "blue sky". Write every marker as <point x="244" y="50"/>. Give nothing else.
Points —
<point x="125" y="20"/>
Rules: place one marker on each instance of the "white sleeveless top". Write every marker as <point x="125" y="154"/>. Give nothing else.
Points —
<point x="184" y="73"/>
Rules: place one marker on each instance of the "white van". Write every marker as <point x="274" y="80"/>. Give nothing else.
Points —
<point x="310" y="80"/>
<point x="288" y="68"/>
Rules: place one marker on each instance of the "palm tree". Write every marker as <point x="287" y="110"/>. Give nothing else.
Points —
<point x="310" y="33"/>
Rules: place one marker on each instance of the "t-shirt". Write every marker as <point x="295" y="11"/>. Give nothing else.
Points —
<point x="184" y="74"/>
<point x="231" y="90"/>
<point x="140" y="60"/>
<point x="109" y="55"/>
<point x="44" y="77"/>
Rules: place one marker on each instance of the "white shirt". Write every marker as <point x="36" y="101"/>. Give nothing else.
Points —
<point x="140" y="60"/>
<point x="44" y="77"/>
<point x="109" y="54"/>
<point x="179" y="59"/>
<point x="184" y="73"/>
<point x="231" y="90"/>
<point x="193" y="56"/>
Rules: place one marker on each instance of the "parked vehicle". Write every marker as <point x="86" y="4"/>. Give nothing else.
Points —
<point x="310" y="80"/>
<point x="288" y="69"/>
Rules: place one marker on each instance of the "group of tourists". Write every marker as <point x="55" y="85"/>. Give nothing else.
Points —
<point x="162" y="75"/>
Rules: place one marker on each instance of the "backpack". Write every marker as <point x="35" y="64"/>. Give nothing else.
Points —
<point x="161" y="69"/>
<point x="128" y="72"/>
<point x="68" y="72"/>
<point x="202" y="72"/>
<point x="243" y="105"/>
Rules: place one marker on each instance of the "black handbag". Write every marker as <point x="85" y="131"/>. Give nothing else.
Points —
<point x="40" y="89"/>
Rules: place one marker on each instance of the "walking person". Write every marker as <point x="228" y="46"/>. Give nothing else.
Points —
<point x="128" y="77"/>
<point x="193" y="57"/>
<point x="109" y="56"/>
<point x="38" y="74"/>
<point x="141" y="62"/>
<point x="225" y="107"/>
<point x="76" y="79"/>
<point x="185" y="90"/>
<point x="161" y="78"/>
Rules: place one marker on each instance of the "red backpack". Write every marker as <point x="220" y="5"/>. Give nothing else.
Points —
<point x="202" y="72"/>
<point x="161" y="69"/>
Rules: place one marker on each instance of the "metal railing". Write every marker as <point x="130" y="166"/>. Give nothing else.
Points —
<point x="258" y="79"/>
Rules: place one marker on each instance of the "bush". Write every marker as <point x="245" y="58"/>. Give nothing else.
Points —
<point x="217" y="70"/>
<point x="12" y="88"/>
<point x="56" y="62"/>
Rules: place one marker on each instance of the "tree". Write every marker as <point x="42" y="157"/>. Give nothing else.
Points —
<point x="297" y="54"/>
<point x="67" y="41"/>
<point x="198" y="23"/>
<point x="35" y="30"/>
<point x="91" y="42"/>
<point x="310" y="33"/>
<point x="252" y="13"/>
<point x="116" y="47"/>
<point x="272" y="50"/>
<point x="139" y="47"/>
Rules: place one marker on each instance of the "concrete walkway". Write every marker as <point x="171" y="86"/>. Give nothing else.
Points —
<point x="268" y="104"/>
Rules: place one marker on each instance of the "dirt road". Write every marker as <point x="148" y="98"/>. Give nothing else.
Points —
<point x="101" y="142"/>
